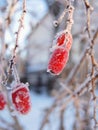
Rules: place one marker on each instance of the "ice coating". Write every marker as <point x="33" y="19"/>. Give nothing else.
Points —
<point x="21" y="99"/>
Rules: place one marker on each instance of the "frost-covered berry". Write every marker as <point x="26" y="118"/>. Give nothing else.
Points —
<point x="61" y="39"/>
<point x="64" y="39"/>
<point x="2" y="101"/>
<point x="21" y="98"/>
<point x="58" y="61"/>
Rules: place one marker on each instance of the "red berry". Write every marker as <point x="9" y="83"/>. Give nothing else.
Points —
<point x="21" y="99"/>
<point x="58" y="60"/>
<point x="64" y="38"/>
<point x="61" y="39"/>
<point x="2" y="101"/>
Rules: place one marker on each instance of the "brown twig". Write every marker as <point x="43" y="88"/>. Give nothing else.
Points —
<point x="12" y="61"/>
<point x="86" y="51"/>
<point x="78" y="92"/>
<point x="62" y="119"/>
<point x="10" y="11"/>
<point x="45" y="121"/>
<point x="88" y="11"/>
<point x="70" y="18"/>
<point x="93" y="62"/>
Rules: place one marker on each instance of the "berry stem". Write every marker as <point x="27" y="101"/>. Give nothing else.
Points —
<point x="16" y="76"/>
<point x="70" y="18"/>
<point x="59" y="20"/>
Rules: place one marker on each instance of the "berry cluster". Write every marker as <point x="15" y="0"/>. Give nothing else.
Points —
<point x="59" y="57"/>
<point x="62" y="44"/>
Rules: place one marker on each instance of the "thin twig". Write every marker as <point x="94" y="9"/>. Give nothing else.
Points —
<point x="12" y="61"/>
<point x="78" y="92"/>
<point x="86" y="51"/>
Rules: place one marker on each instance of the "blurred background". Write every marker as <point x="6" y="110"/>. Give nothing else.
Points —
<point x="33" y="55"/>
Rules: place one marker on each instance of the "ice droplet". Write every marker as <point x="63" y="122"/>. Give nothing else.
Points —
<point x="48" y="70"/>
<point x="9" y="88"/>
<point x="55" y="23"/>
<point x="27" y="84"/>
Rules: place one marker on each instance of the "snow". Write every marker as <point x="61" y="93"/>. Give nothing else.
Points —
<point x="39" y="103"/>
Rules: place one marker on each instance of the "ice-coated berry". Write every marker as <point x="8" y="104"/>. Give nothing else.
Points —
<point x="58" y="61"/>
<point x="64" y="39"/>
<point x="21" y="99"/>
<point x="2" y="101"/>
<point x="61" y="39"/>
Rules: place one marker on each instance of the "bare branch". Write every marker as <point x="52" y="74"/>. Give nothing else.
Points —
<point x="87" y="50"/>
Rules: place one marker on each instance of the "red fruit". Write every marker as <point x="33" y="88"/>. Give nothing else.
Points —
<point x="21" y="99"/>
<point x="64" y="38"/>
<point x="2" y="101"/>
<point x="58" y="60"/>
<point x="61" y="39"/>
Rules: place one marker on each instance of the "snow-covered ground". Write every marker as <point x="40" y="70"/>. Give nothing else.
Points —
<point x="39" y="104"/>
